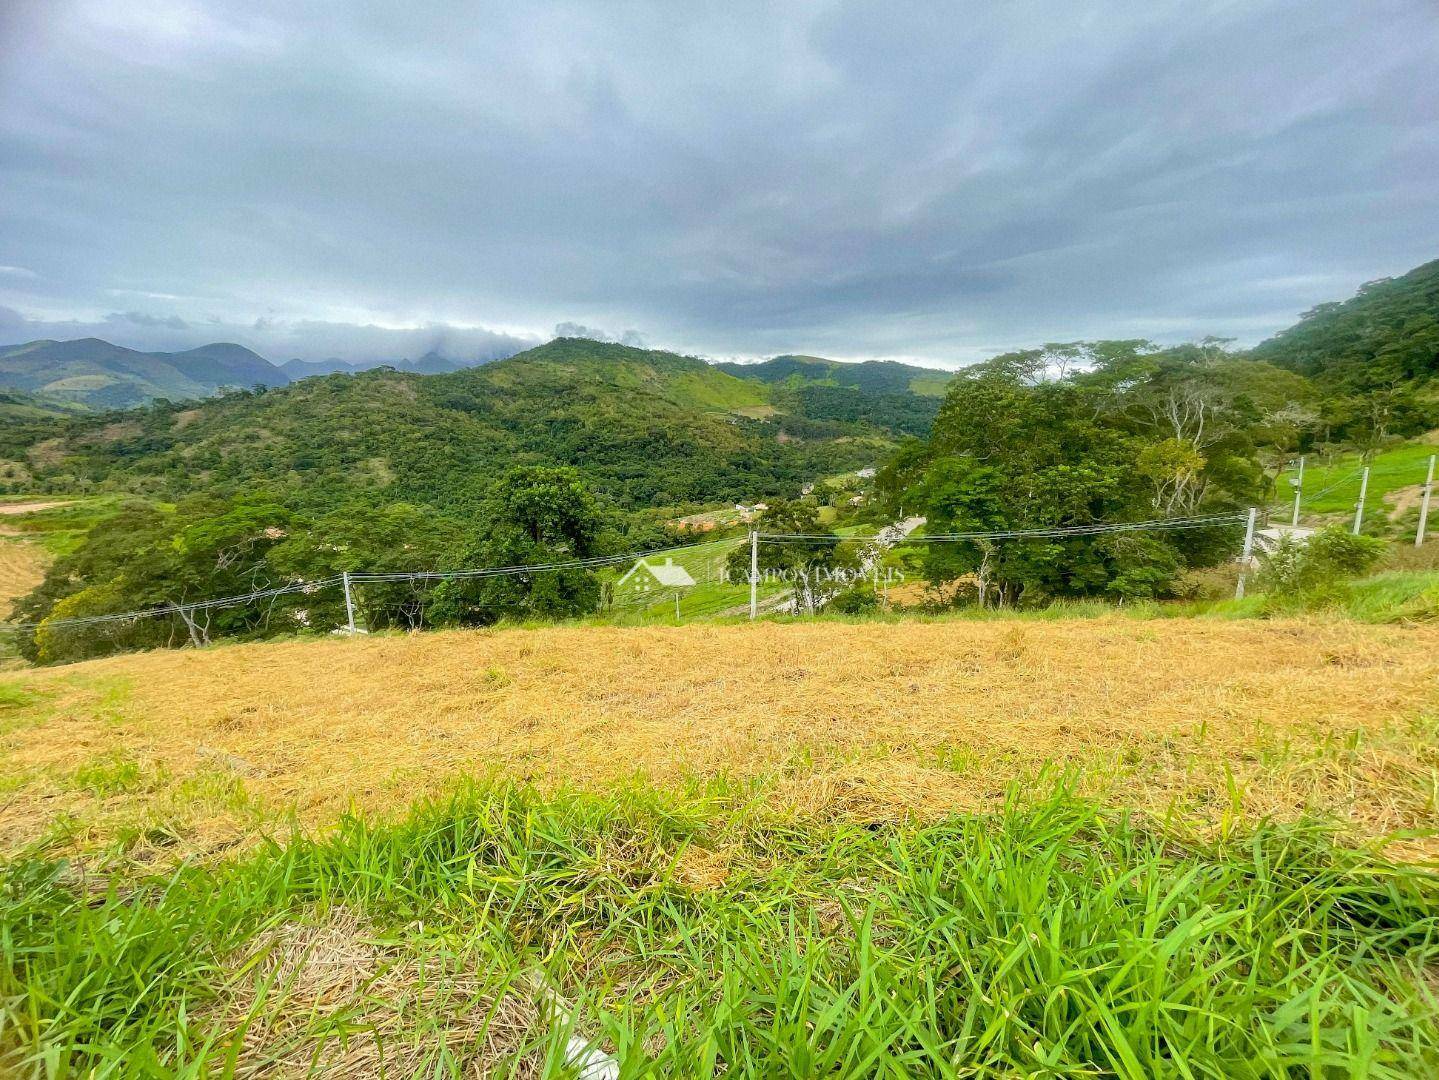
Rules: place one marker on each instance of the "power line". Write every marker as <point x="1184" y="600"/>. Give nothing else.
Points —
<point x="1310" y="496"/>
<point x="534" y="568"/>
<point x="1338" y="483"/>
<point x="1163" y="524"/>
<point x="600" y="561"/>
<point x="312" y="586"/>
<point x="175" y="609"/>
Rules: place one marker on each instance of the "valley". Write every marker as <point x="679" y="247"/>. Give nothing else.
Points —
<point x="785" y="541"/>
<point x="539" y="769"/>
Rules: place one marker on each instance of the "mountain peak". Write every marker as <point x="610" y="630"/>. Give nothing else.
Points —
<point x="102" y="375"/>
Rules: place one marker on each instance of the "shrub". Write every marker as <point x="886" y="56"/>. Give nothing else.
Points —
<point x="1322" y="565"/>
<point x="856" y="601"/>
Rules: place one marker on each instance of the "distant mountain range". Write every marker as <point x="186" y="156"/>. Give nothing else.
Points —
<point x="1385" y="336"/>
<point x="93" y="374"/>
<point x="872" y="376"/>
<point x="432" y="363"/>
<point x="100" y="375"/>
<point x="650" y="428"/>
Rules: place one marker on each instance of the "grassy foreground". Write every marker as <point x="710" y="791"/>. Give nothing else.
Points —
<point x="191" y="752"/>
<point x="500" y="932"/>
<point x="785" y="849"/>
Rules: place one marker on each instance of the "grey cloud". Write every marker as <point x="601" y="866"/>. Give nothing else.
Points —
<point x="903" y="179"/>
<point x="580" y="330"/>
<point x="139" y="318"/>
<point x="275" y="339"/>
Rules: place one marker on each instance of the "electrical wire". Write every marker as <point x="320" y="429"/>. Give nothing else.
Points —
<point x="1338" y="483"/>
<point x="312" y="586"/>
<point x="1057" y="532"/>
<point x="173" y="609"/>
<point x="534" y="568"/>
<point x="599" y="561"/>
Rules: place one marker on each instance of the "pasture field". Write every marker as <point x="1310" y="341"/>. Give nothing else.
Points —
<point x="58" y="524"/>
<point x="22" y="563"/>
<point x="1102" y="846"/>
<point x="1331" y="484"/>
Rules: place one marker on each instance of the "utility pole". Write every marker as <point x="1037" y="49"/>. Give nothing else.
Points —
<point x="349" y="602"/>
<point x="1248" y="552"/>
<point x="1359" y="506"/>
<point x="1298" y="491"/>
<point x="677" y="605"/>
<point x="754" y="573"/>
<point x="1424" y="503"/>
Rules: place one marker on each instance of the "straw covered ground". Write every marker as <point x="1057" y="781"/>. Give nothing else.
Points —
<point x="760" y="875"/>
<point x="1220" y="723"/>
<point x="22" y="566"/>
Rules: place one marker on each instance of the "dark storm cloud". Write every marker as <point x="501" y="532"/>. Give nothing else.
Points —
<point x="925" y="180"/>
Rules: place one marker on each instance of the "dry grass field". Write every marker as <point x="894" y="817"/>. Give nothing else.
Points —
<point x="759" y="875"/>
<point x="22" y="561"/>
<point x="22" y="566"/>
<point x="1221" y="723"/>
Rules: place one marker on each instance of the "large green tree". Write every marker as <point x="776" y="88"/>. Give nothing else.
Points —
<point x="164" y="564"/>
<point x="534" y="516"/>
<point x="807" y="551"/>
<point x="1073" y="435"/>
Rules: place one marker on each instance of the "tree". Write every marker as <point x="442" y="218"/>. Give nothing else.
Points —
<point x="534" y="516"/>
<point x="396" y="539"/>
<point x="146" y="560"/>
<point x="1134" y="433"/>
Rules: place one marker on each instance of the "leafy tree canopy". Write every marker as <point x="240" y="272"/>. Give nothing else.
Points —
<point x="1072" y="435"/>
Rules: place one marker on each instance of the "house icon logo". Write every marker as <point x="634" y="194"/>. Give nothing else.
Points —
<point x="645" y="575"/>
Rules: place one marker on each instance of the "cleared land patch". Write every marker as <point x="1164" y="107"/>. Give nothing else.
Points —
<point x="22" y="567"/>
<point x="1223" y="722"/>
<point x="762" y="906"/>
<point x="17" y="508"/>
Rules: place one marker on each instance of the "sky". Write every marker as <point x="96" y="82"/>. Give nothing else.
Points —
<point x="933" y="182"/>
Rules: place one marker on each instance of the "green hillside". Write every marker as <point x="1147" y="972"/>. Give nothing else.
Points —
<point x="99" y="375"/>
<point x="1383" y="339"/>
<point x="649" y="428"/>
<point x="684" y="381"/>
<point x="16" y="405"/>
<point x="1331" y="481"/>
<point x="871" y="376"/>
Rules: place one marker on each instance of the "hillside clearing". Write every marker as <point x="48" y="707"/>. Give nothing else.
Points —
<point x="1222" y="722"/>
<point x="1331" y="483"/>
<point x="27" y="507"/>
<point x="22" y="567"/>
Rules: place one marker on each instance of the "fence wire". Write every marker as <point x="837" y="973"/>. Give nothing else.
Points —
<point x="601" y="561"/>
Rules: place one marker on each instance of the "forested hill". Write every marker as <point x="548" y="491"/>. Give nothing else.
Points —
<point x="874" y="376"/>
<point x="649" y="428"/>
<point x="98" y="375"/>
<point x="1385" y="336"/>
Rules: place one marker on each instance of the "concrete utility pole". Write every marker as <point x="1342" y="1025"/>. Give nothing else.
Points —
<point x="1359" y="506"/>
<point x="1298" y="491"/>
<point x="754" y="573"/>
<point x="1248" y="552"/>
<point x="677" y="605"/>
<point x="1424" y="503"/>
<point x="349" y="602"/>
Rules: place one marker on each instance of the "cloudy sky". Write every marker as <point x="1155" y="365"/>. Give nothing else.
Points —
<point x="927" y="181"/>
